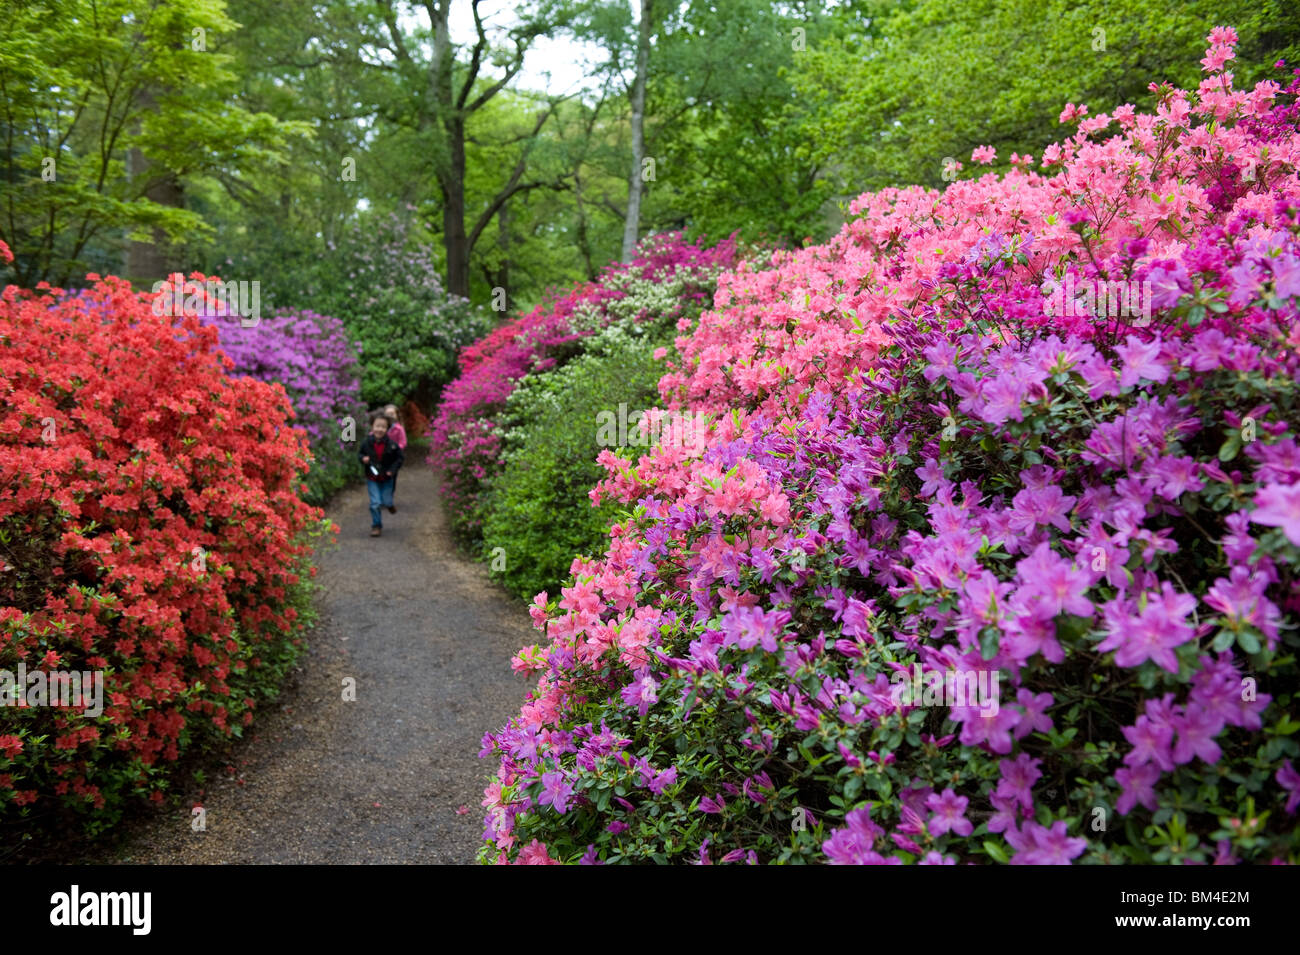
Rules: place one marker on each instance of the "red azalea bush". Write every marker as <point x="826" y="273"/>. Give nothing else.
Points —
<point x="668" y="277"/>
<point x="973" y="569"/>
<point x="151" y="529"/>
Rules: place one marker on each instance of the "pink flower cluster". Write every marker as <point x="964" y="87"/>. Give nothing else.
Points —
<point x="464" y="445"/>
<point x="915" y="462"/>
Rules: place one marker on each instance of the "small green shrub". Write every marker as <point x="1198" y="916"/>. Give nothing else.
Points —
<point x="537" y="509"/>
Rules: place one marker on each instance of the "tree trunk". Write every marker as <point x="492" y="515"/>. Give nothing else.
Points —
<point x="453" y="209"/>
<point x="448" y="106"/>
<point x="584" y="241"/>
<point x="632" y="224"/>
<point x="149" y="262"/>
<point x="503" y="243"/>
<point x="441" y="107"/>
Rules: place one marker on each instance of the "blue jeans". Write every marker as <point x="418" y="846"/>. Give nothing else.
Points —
<point x="381" y="495"/>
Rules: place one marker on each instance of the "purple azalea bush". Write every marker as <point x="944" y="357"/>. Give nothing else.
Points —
<point x="1008" y="582"/>
<point x="1091" y="529"/>
<point x="312" y="357"/>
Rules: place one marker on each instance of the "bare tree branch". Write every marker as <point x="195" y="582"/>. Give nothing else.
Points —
<point x="390" y="19"/>
<point x="512" y="185"/>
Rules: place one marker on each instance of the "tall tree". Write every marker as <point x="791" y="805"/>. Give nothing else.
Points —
<point x="570" y="230"/>
<point x="82" y="84"/>
<point x="709" y="99"/>
<point x="632" y="222"/>
<point x="443" y="90"/>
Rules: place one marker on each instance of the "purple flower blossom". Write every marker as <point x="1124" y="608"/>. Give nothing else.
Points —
<point x="1196" y="729"/>
<point x="1154" y="633"/>
<point x="1035" y="718"/>
<point x="1289" y="779"/>
<point x="713" y="806"/>
<point x="555" y="792"/>
<point x="949" y="814"/>
<point x="1169" y="283"/>
<point x="1051" y="586"/>
<point x="1151" y="743"/>
<point x="1278" y="505"/>
<point x="852" y="845"/>
<point x="641" y="692"/>
<point x="1018" y="778"/>
<point x="1036" y="845"/>
<point x="1140" y="360"/>
<point x="1138" y="787"/>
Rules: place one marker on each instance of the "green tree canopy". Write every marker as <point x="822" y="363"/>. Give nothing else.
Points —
<point x="84" y="84"/>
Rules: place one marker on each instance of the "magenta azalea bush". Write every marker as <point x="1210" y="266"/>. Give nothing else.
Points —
<point x="991" y="557"/>
<point x="667" y="278"/>
<point x="309" y="354"/>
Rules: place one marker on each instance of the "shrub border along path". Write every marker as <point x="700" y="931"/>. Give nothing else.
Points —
<point x="428" y="639"/>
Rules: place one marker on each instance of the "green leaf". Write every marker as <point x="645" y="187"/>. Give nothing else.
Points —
<point x="1230" y="447"/>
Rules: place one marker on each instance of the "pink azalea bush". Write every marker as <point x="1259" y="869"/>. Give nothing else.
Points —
<point x="962" y="576"/>
<point x="668" y="277"/>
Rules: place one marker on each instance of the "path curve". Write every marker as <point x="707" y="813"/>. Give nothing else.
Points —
<point x="428" y="638"/>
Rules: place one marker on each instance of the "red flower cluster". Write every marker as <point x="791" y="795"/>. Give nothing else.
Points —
<point x="150" y="529"/>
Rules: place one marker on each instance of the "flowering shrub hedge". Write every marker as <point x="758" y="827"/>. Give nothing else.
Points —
<point x="535" y="508"/>
<point x="962" y="576"/>
<point x="667" y="279"/>
<point x="313" y="358"/>
<point x="150" y="529"/>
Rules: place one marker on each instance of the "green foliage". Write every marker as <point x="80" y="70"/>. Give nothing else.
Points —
<point x="333" y="468"/>
<point x="83" y="84"/>
<point x="735" y="152"/>
<point x="934" y="81"/>
<point x="564" y="226"/>
<point x="383" y="284"/>
<point x="537" y="509"/>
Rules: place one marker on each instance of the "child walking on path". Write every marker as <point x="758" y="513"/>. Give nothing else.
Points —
<point x="382" y="457"/>
<point x="398" y="434"/>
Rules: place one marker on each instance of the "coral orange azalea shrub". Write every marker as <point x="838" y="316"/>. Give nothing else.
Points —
<point x="991" y="557"/>
<point x="151" y="530"/>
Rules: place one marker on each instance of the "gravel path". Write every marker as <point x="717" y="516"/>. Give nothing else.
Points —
<point x="428" y="639"/>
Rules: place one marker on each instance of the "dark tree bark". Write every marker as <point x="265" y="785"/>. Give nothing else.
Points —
<point x="446" y="104"/>
<point x="149" y="262"/>
<point x="632" y="223"/>
<point x="503" y="244"/>
<point x="452" y="186"/>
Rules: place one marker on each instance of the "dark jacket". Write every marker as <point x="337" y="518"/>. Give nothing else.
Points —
<point x="393" y="458"/>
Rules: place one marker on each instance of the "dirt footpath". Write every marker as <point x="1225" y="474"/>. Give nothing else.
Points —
<point x="393" y="777"/>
